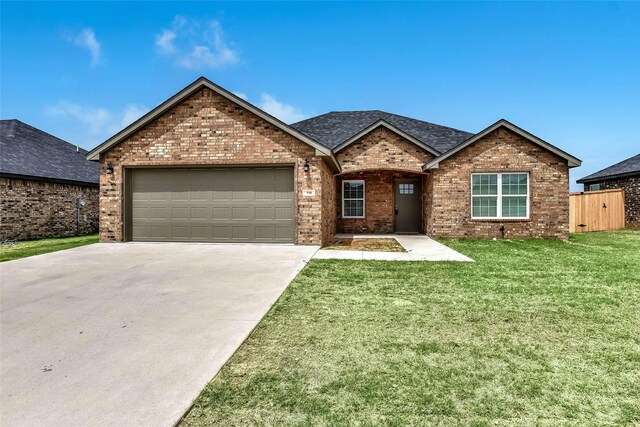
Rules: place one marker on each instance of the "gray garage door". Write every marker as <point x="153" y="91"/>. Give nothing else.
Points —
<point x="213" y="205"/>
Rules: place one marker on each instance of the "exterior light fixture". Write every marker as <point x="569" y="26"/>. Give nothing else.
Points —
<point x="109" y="169"/>
<point x="306" y="165"/>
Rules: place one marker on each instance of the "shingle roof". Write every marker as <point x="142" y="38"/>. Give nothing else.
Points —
<point x="628" y="167"/>
<point x="30" y="152"/>
<point x="332" y="129"/>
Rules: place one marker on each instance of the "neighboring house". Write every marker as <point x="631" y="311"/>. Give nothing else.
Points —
<point x="207" y="165"/>
<point x="625" y="175"/>
<point x="41" y="179"/>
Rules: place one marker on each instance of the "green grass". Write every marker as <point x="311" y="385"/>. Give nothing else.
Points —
<point x="29" y="248"/>
<point x="536" y="332"/>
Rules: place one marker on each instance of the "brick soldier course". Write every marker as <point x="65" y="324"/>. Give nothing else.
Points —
<point x="204" y="125"/>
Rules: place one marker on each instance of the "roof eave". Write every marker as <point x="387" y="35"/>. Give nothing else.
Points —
<point x="392" y="128"/>
<point x="571" y="160"/>
<point x="188" y="91"/>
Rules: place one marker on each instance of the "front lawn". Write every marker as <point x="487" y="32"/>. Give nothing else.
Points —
<point x="535" y="332"/>
<point x="42" y="246"/>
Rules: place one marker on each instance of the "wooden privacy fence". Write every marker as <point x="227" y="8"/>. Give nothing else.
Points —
<point x="596" y="211"/>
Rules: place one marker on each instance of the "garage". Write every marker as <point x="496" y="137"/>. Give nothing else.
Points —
<point x="223" y="204"/>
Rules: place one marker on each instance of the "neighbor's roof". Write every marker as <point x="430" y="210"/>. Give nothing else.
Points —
<point x="29" y="153"/>
<point x="628" y="167"/>
<point x="334" y="129"/>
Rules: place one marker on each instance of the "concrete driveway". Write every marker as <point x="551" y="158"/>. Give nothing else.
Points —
<point x="129" y="334"/>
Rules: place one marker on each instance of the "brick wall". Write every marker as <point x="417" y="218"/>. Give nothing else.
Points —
<point x="379" y="202"/>
<point x="500" y="151"/>
<point x="208" y="129"/>
<point x="383" y="149"/>
<point x="34" y="209"/>
<point x="378" y="157"/>
<point x="631" y="186"/>
<point x="329" y="209"/>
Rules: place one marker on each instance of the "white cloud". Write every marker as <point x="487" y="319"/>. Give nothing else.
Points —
<point x="196" y="45"/>
<point x="92" y="125"/>
<point x="131" y="113"/>
<point x="285" y="112"/>
<point x="87" y="39"/>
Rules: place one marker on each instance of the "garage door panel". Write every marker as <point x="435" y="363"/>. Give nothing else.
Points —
<point x="263" y="214"/>
<point x="159" y="232"/>
<point x="222" y="213"/>
<point x="200" y="213"/>
<point x="200" y="233"/>
<point x="221" y="233"/>
<point x="283" y="234"/>
<point x="240" y="213"/>
<point x="240" y="232"/>
<point x="283" y="214"/>
<point x="217" y="205"/>
<point x="180" y="213"/>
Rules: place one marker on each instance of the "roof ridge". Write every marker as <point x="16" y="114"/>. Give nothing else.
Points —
<point x="424" y="121"/>
<point x="384" y="112"/>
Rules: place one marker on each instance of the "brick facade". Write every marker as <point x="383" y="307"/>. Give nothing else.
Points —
<point x="500" y="151"/>
<point x="631" y="186"/>
<point x="35" y="209"/>
<point x="208" y="129"/>
<point x="379" y="157"/>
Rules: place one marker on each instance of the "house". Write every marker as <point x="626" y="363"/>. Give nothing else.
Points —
<point x="42" y="181"/>
<point x="625" y="175"/>
<point x="206" y="165"/>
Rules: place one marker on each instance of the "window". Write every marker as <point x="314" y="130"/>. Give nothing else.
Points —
<point x="406" y="188"/>
<point x="353" y="199"/>
<point x="594" y="187"/>
<point x="500" y="195"/>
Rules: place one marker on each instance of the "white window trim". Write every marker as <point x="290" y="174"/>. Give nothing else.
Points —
<point x="364" y="195"/>
<point x="499" y="196"/>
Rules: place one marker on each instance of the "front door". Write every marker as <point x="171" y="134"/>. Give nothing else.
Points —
<point x="408" y="207"/>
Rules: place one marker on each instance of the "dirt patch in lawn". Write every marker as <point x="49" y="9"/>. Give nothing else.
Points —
<point x="369" y="245"/>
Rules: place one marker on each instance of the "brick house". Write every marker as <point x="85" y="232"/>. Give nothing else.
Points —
<point x="207" y="165"/>
<point x="625" y="175"/>
<point x="41" y="180"/>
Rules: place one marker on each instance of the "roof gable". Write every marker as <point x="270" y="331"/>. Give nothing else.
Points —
<point x="628" y="167"/>
<point x="392" y="128"/>
<point x="200" y="83"/>
<point x="572" y="161"/>
<point x="29" y="153"/>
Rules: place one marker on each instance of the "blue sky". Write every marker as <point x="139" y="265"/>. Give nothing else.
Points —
<point x="567" y="72"/>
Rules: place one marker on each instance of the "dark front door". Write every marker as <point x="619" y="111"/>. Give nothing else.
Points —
<point x="408" y="207"/>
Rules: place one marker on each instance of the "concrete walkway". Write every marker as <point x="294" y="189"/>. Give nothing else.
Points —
<point x="129" y="334"/>
<point x="419" y="248"/>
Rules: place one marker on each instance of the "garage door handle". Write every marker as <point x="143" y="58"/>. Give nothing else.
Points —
<point x="396" y="211"/>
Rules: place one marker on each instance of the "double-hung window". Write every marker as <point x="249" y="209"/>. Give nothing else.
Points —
<point x="353" y="199"/>
<point x="500" y="195"/>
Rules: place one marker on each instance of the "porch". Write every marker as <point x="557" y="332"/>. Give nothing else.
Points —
<point x="381" y="202"/>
